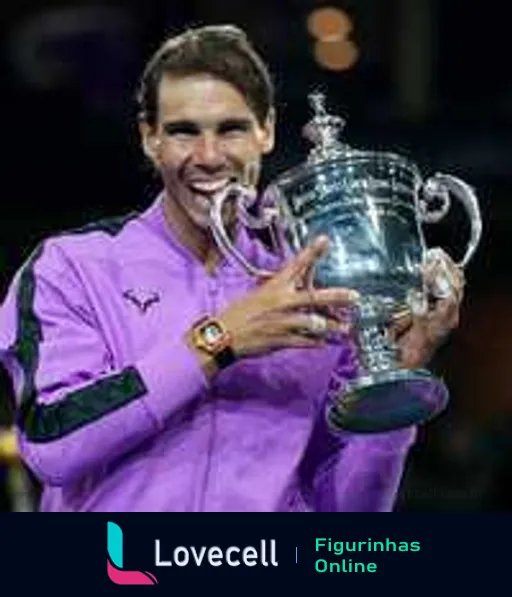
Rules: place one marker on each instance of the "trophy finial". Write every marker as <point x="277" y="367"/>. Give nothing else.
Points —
<point x="323" y="130"/>
<point x="317" y="102"/>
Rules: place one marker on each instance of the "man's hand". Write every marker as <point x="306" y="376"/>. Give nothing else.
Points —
<point x="273" y="315"/>
<point x="285" y="311"/>
<point x="419" y="335"/>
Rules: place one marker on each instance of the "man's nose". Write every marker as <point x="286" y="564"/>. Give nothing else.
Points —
<point x="208" y="152"/>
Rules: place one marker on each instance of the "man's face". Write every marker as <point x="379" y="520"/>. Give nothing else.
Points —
<point x="206" y="136"/>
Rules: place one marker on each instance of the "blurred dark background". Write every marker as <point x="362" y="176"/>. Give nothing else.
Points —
<point x="426" y="78"/>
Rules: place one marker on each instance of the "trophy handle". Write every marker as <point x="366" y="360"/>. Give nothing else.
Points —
<point x="438" y="188"/>
<point x="268" y="219"/>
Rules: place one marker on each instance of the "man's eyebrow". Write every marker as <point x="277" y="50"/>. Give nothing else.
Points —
<point x="190" y="127"/>
<point x="180" y="126"/>
<point x="244" y="124"/>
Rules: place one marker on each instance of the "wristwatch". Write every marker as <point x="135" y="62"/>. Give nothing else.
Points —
<point x="210" y="335"/>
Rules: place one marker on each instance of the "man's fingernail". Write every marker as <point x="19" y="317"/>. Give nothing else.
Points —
<point x="345" y="328"/>
<point x="321" y="242"/>
<point x="354" y="296"/>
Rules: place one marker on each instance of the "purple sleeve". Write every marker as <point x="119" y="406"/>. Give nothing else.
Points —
<point x="364" y="474"/>
<point x="75" y="411"/>
<point x="353" y="472"/>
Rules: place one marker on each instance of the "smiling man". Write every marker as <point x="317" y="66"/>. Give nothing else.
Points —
<point x="206" y="137"/>
<point x="153" y="375"/>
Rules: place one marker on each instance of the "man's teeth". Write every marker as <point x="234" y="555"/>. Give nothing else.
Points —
<point x="209" y="186"/>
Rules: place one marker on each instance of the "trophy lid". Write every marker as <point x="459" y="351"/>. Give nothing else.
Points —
<point x="323" y="131"/>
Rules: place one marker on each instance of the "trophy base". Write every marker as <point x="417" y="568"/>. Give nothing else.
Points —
<point x="388" y="400"/>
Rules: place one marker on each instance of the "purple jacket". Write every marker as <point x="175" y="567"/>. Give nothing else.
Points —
<point x="115" y="413"/>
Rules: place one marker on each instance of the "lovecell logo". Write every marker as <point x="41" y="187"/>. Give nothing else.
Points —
<point x="115" y="561"/>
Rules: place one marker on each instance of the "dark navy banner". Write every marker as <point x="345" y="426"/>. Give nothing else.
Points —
<point x="403" y="554"/>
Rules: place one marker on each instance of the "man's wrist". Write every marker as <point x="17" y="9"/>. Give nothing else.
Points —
<point x="212" y="341"/>
<point x="206" y="361"/>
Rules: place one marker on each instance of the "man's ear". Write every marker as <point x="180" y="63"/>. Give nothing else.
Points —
<point x="150" y="142"/>
<point x="268" y="132"/>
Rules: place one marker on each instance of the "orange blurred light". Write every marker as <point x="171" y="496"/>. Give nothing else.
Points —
<point x="329" y="24"/>
<point x="336" y="55"/>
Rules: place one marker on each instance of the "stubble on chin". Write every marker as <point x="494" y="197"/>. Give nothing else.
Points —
<point x="198" y="211"/>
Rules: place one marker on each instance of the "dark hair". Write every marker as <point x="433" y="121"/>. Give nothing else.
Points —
<point x="223" y="51"/>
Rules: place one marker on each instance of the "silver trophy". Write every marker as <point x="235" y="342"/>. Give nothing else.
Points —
<point x="372" y="206"/>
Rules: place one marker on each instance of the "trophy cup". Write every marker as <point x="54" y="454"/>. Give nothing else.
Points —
<point x="372" y="206"/>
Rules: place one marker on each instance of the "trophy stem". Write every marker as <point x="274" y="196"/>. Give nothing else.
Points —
<point x="377" y="352"/>
<point x="384" y="396"/>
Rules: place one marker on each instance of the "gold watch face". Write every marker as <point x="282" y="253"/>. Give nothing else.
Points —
<point x="210" y="335"/>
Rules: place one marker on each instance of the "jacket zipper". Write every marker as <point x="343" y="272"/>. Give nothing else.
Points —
<point x="213" y="288"/>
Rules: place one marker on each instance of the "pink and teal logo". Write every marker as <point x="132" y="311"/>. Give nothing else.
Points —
<point x="115" y="570"/>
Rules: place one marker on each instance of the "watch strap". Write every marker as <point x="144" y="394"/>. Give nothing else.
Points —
<point x="224" y="357"/>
